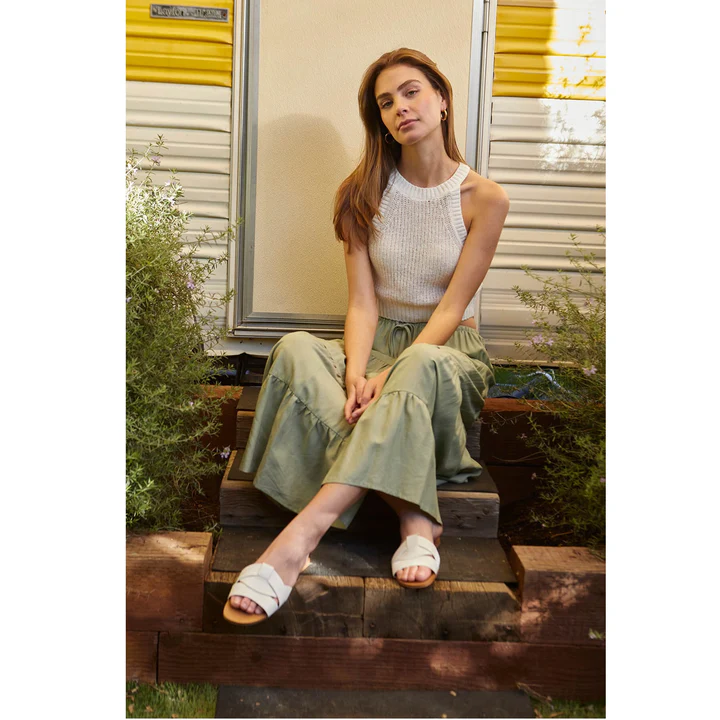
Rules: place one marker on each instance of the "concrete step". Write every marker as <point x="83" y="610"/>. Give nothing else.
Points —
<point x="256" y="702"/>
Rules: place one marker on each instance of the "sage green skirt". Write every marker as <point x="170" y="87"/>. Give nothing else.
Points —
<point x="407" y="442"/>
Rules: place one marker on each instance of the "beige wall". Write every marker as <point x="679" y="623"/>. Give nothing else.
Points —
<point x="313" y="54"/>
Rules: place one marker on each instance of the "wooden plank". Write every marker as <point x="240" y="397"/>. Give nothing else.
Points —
<point x="318" y="607"/>
<point x="553" y="578"/>
<point x="469" y="514"/>
<point x="467" y="509"/>
<point x="249" y="702"/>
<point x="446" y="610"/>
<point x="165" y="575"/>
<point x="243" y="425"/>
<point x="464" y="513"/>
<point x="248" y="400"/>
<point x="573" y="626"/>
<point x="566" y="671"/>
<point x="141" y="656"/>
<point x="342" y="553"/>
<point x="563" y="594"/>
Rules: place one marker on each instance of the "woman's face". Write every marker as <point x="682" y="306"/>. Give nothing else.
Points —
<point x="403" y="93"/>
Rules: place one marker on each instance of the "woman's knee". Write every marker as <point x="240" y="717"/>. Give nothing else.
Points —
<point x="292" y="347"/>
<point x="415" y="365"/>
<point x="422" y="355"/>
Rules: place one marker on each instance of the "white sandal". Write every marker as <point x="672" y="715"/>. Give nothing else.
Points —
<point x="262" y="585"/>
<point x="416" y="550"/>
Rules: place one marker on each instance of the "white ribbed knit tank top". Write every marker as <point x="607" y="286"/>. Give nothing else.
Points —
<point x="417" y="246"/>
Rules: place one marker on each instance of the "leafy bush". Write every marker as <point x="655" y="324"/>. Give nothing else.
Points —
<point x="572" y="334"/>
<point x="169" y="330"/>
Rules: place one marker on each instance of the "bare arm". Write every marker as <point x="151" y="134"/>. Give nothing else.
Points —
<point x="362" y="315"/>
<point x="491" y="205"/>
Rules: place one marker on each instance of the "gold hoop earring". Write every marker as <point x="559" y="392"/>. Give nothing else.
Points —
<point x="441" y="115"/>
<point x="389" y="142"/>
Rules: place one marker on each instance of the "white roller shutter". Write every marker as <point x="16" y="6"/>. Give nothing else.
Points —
<point x="548" y="153"/>
<point x="195" y="122"/>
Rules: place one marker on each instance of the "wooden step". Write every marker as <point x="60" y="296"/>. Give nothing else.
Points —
<point x="470" y="509"/>
<point x="257" y="702"/>
<point x="575" y="673"/>
<point x="348" y="591"/>
<point x="341" y="553"/>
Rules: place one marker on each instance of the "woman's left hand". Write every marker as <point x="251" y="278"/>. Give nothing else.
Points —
<point x="373" y="388"/>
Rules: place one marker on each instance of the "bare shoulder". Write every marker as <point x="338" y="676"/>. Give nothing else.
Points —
<point x="484" y="191"/>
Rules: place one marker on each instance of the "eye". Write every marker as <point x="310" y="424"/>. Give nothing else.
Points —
<point x="385" y="104"/>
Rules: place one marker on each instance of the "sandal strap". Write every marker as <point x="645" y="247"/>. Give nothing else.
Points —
<point x="416" y="550"/>
<point x="262" y="585"/>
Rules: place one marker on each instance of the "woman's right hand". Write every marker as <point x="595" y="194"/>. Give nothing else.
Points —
<point x="354" y="387"/>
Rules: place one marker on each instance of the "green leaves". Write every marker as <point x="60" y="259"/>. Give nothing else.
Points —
<point x="569" y="321"/>
<point x="169" y="329"/>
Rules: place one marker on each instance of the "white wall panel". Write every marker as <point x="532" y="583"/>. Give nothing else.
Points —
<point x="549" y="156"/>
<point x="312" y="56"/>
<point x="543" y="249"/>
<point x="185" y="150"/>
<point x="504" y="319"/>
<point x="194" y="121"/>
<point x="547" y="120"/>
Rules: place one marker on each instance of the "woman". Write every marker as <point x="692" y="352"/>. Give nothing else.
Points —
<point x="387" y="407"/>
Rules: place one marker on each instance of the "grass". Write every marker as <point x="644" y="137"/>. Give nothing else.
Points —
<point x="567" y="709"/>
<point x="170" y="700"/>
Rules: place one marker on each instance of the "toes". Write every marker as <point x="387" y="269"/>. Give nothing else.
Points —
<point x="422" y="574"/>
<point x="414" y="574"/>
<point x="245" y="604"/>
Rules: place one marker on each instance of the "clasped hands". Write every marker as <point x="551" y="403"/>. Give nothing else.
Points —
<point x="361" y="393"/>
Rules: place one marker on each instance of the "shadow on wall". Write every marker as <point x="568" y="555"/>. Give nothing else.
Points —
<point x="299" y="266"/>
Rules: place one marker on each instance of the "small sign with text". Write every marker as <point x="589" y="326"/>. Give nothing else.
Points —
<point x="188" y="12"/>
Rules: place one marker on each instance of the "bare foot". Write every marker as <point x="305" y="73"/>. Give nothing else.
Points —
<point x="289" y="554"/>
<point x="417" y="523"/>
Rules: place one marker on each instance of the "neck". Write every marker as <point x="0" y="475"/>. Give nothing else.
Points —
<point x="426" y="167"/>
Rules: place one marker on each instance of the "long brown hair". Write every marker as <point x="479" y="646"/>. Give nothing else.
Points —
<point x="357" y="200"/>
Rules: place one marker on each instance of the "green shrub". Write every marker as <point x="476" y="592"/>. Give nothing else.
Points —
<point x="571" y="333"/>
<point x="169" y="329"/>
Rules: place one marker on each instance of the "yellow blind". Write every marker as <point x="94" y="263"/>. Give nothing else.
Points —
<point x="550" y="52"/>
<point x="179" y="51"/>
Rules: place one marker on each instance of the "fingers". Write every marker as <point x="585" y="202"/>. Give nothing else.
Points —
<point x="368" y="394"/>
<point x="363" y="406"/>
<point x="350" y="404"/>
<point x="360" y="395"/>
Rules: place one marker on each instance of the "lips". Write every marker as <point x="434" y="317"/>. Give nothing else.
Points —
<point x="405" y="124"/>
